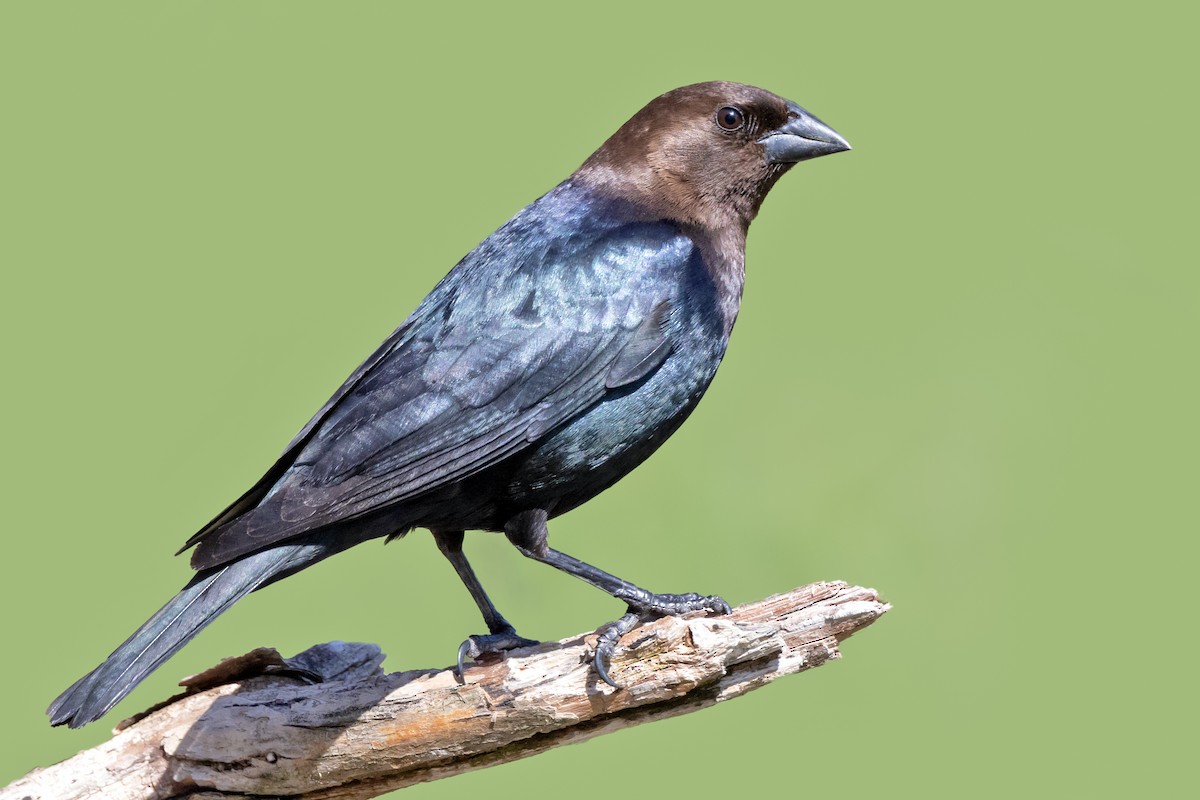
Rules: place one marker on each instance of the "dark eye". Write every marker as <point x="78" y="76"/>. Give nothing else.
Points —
<point x="731" y="118"/>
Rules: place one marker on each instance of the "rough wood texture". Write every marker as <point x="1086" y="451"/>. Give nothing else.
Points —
<point x="361" y="733"/>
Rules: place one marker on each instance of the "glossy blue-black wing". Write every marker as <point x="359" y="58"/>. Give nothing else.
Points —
<point x="505" y="350"/>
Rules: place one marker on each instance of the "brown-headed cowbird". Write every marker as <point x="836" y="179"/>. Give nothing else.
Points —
<point x="552" y="360"/>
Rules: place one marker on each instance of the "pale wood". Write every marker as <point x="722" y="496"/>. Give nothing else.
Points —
<point x="362" y="733"/>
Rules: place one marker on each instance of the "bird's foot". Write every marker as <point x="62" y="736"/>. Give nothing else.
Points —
<point x="496" y="642"/>
<point x="648" y="606"/>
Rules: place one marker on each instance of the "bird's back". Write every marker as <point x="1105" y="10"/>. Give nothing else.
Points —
<point x="549" y="362"/>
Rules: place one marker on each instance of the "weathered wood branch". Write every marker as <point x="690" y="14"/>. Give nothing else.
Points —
<point x="362" y="733"/>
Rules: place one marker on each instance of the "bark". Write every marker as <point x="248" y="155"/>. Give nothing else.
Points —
<point x="257" y="726"/>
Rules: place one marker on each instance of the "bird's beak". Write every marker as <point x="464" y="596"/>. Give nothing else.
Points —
<point x="802" y="137"/>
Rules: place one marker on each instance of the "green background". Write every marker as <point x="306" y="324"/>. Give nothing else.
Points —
<point x="964" y="373"/>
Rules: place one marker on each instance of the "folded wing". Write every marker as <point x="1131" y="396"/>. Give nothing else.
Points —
<point x="524" y="335"/>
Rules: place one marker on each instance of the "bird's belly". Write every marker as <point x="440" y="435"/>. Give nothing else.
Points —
<point x="587" y="455"/>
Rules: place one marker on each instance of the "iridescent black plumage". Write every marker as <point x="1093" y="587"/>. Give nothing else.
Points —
<point x="547" y="364"/>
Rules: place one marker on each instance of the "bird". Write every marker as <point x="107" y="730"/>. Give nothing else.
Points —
<point x="554" y="358"/>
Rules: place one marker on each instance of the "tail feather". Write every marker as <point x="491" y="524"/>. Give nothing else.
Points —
<point x="209" y="594"/>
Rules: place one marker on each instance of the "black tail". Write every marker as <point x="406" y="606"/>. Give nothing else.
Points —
<point x="208" y="594"/>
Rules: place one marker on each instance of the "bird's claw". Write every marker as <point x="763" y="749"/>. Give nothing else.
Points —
<point x="606" y="643"/>
<point x="475" y="646"/>
<point x="655" y="605"/>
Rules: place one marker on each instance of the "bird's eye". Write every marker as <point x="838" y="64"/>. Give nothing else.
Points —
<point x="731" y="118"/>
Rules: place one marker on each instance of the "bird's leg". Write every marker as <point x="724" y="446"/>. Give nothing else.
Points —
<point x="502" y="635"/>
<point x="528" y="533"/>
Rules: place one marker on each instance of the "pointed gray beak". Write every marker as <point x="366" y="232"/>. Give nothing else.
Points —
<point x="802" y="137"/>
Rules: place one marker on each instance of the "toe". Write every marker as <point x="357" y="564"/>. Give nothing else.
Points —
<point x="600" y="661"/>
<point x="475" y="646"/>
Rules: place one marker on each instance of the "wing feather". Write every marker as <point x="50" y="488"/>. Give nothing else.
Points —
<point x="497" y="357"/>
